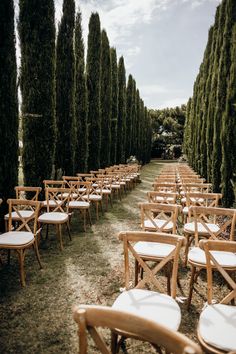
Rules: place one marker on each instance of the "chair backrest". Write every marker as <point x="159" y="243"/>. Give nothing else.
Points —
<point x="89" y="318"/>
<point x="30" y="193"/>
<point x="57" y="199"/>
<point x="69" y="179"/>
<point x="131" y="237"/>
<point x="23" y="223"/>
<point x="224" y="218"/>
<point x="80" y="190"/>
<point x="211" y="246"/>
<point x="203" y="199"/>
<point x="165" y="187"/>
<point x="51" y="183"/>
<point x="153" y="212"/>
<point x="196" y="187"/>
<point x="95" y="185"/>
<point x="161" y="197"/>
<point x="84" y="175"/>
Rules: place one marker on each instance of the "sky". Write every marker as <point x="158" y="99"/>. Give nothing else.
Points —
<point x="162" y="42"/>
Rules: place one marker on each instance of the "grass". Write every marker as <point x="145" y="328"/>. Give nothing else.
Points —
<point x="38" y="318"/>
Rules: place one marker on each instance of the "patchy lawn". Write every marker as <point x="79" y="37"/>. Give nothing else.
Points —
<point x="38" y="318"/>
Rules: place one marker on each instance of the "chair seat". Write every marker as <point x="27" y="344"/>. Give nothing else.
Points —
<point x="149" y="225"/>
<point x="16" y="238"/>
<point x="185" y="210"/>
<point x="65" y="195"/>
<point x="79" y="204"/>
<point x="153" y="249"/>
<point x="151" y="305"/>
<point x="53" y="217"/>
<point x="95" y="197"/>
<point x="226" y="259"/>
<point x="162" y="199"/>
<point x="115" y="186"/>
<point x="104" y="191"/>
<point x="24" y="213"/>
<point x="190" y="227"/>
<point x="51" y="203"/>
<point x="217" y="326"/>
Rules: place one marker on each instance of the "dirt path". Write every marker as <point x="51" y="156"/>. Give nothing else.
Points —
<point x="38" y="318"/>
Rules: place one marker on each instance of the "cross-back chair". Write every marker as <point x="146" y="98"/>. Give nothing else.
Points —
<point x="90" y="318"/>
<point x="152" y="305"/>
<point x="165" y="187"/>
<point x="79" y="200"/>
<point x="162" y="197"/>
<point x="95" y="194"/>
<point x="211" y="223"/>
<point x="159" y="217"/>
<point x="24" y="193"/>
<point x="217" y="322"/>
<point x="56" y="202"/>
<point x="22" y="234"/>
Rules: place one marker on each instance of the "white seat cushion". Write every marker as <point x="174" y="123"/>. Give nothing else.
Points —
<point x="95" y="197"/>
<point x="154" y="249"/>
<point x="149" y="225"/>
<point x="185" y="210"/>
<point x="217" y="326"/>
<point x="151" y="305"/>
<point x="16" y="238"/>
<point x="115" y="186"/>
<point x="190" y="227"/>
<point x="52" y="217"/>
<point x="78" y="204"/>
<point x="226" y="259"/>
<point x="52" y="203"/>
<point x="24" y="213"/>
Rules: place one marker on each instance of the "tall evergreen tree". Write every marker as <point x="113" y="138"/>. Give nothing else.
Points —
<point x="8" y="106"/>
<point x="93" y="87"/>
<point x="121" y="126"/>
<point x="228" y="132"/>
<point x="65" y="91"/>
<point x="37" y="41"/>
<point x="134" y="121"/>
<point x="114" y="113"/>
<point x="106" y="103"/>
<point x="81" y="109"/>
<point x="129" y="106"/>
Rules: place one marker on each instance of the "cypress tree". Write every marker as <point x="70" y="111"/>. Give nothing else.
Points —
<point x="65" y="91"/>
<point x="134" y="121"/>
<point x="114" y="113"/>
<point x="93" y="87"/>
<point x="8" y="106"/>
<point x="37" y="41"/>
<point x="106" y="107"/>
<point x="228" y="133"/>
<point x="81" y="109"/>
<point x="138" y="118"/>
<point x="129" y="106"/>
<point x="121" y="125"/>
<point x="223" y="73"/>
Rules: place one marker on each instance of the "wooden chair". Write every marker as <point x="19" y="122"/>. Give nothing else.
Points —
<point x="204" y="222"/>
<point x="210" y="223"/>
<point x="152" y="305"/>
<point x="23" y="233"/>
<point x="106" y="183"/>
<point x="217" y="323"/>
<point x="165" y="187"/>
<point x="95" y="194"/>
<point x="90" y="318"/>
<point x="79" y="199"/>
<point x="57" y="199"/>
<point x="162" y="197"/>
<point x="24" y="193"/>
<point x="159" y="217"/>
<point x="200" y="199"/>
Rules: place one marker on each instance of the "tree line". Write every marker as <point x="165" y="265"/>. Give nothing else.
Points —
<point x="76" y="115"/>
<point x="210" y="129"/>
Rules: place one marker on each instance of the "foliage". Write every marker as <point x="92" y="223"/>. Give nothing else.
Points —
<point x="121" y="123"/>
<point x="65" y="90"/>
<point x="37" y="41"/>
<point x="93" y="87"/>
<point x="167" y="131"/>
<point x="81" y="109"/>
<point x="106" y="103"/>
<point x="212" y="110"/>
<point x="114" y="108"/>
<point x="8" y="105"/>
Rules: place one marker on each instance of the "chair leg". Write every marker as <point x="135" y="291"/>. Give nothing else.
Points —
<point x="36" y="250"/>
<point x="193" y="279"/>
<point x="114" y="341"/>
<point x="68" y="229"/>
<point x="136" y="273"/>
<point x="21" y="264"/>
<point x="188" y="242"/>
<point x="59" y="236"/>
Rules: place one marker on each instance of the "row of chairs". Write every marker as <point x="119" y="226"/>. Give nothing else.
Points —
<point x="26" y="217"/>
<point x="160" y="244"/>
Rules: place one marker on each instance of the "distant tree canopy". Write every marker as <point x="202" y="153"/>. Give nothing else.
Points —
<point x="167" y="131"/>
<point x="210" y="130"/>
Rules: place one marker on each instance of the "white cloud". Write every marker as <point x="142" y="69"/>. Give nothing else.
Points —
<point x="178" y="101"/>
<point x="152" y="89"/>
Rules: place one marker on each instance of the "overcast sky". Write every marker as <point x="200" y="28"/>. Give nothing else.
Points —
<point x="162" y="42"/>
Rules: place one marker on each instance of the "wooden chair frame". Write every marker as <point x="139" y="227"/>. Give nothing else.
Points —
<point x="89" y="318"/>
<point x="165" y="187"/>
<point x="28" y="225"/>
<point x="166" y="198"/>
